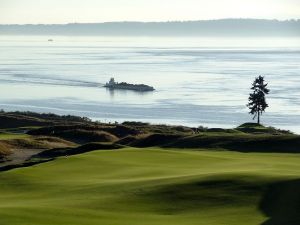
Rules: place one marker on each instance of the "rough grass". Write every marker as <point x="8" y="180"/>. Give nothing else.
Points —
<point x="9" y="136"/>
<point x="27" y="119"/>
<point x="246" y="138"/>
<point x="229" y="141"/>
<point x="156" y="140"/>
<point x="9" y="143"/>
<point x="86" y="136"/>
<point x="254" y="128"/>
<point x="5" y="146"/>
<point x="11" y="120"/>
<point x="4" y="150"/>
<point x="56" y="152"/>
<point x="37" y="143"/>
<point x="87" y="133"/>
<point x="243" y="143"/>
<point x="154" y="187"/>
<point x="159" y="128"/>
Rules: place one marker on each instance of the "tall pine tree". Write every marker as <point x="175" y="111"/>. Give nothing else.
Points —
<point x="257" y="99"/>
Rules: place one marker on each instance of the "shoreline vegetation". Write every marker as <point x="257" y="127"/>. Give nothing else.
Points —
<point x="52" y="135"/>
<point x="71" y="170"/>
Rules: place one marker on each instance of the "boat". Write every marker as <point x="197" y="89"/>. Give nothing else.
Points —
<point x="112" y="84"/>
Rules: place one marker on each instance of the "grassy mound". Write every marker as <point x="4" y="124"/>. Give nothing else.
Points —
<point x="216" y="140"/>
<point x="85" y="136"/>
<point x="242" y="143"/>
<point x="30" y="119"/>
<point x="87" y="133"/>
<point x="13" y="121"/>
<point x="155" y="140"/>
<point x="78" y="134"/>
<point x="128" y="140"/>
<point x="154" y="187"/>
<point x="221" y="131"/>
<point x="37" y="143"/>
<point x="254" y="128"/>
<point x="9" y="143"/>
<point x="10" y="136"/>
<point x="53" y="153"/>
<point x="160" y="128"/>
<point x="13" y="145"/>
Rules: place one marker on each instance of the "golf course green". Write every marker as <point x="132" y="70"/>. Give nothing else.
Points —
<point x="154" y="186"/>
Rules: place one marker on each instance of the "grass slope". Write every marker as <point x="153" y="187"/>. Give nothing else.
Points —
<point x="154" y="187"/>
<point x="9" y="136"/>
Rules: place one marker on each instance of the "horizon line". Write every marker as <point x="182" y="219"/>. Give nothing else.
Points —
<point x="136" y="21"/>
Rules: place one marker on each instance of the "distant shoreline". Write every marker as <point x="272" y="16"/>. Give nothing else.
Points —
<point x="153" y="22"/>
<point x="205" y="28"/>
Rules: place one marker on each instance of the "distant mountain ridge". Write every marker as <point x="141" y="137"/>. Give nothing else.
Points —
<point x="222" y="27"/>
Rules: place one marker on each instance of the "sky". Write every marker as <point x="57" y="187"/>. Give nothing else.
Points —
<point x="91" y="11"/>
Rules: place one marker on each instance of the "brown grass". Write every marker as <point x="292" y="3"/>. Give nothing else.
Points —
<point x="4" y="150"/>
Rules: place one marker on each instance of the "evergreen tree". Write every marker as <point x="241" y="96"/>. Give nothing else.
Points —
<point x="257" y="100"/>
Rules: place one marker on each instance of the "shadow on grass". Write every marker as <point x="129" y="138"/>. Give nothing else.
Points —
<point x="281" y="203"/>
<point x="200" y="195"/>
<point x="232" y="142"/>
<point x="24" y="165"/>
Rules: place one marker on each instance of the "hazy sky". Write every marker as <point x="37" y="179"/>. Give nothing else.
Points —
<point x="69" y="11"/>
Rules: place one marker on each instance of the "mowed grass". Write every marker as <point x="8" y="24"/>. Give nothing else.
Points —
<point x="150" y="187"/>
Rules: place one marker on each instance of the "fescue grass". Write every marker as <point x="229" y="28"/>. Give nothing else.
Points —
<point x="6" y="148"/>
<point x="12" y="143"/>
<point x="57" y="152"/>
<point x="9" y="136"/>
<point x="4" y="151"/>
<point x="284" y="143"/>
<point x="254" y="128"/>
<point x="35" y="142"/>
<point x="154" y="187"/>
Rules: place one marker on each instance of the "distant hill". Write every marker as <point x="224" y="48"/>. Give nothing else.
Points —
<point x="223" y="27"/>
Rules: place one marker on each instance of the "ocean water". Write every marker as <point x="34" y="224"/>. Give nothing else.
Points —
<point x="198" y="81"/>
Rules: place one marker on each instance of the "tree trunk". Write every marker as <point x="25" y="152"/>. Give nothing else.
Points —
<point x="258" y="118"/>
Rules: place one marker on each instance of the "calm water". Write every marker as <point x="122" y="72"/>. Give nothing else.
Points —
<point x="198" y="81"/>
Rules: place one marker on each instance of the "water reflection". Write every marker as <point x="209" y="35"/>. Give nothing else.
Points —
<point x="113" y="93"/>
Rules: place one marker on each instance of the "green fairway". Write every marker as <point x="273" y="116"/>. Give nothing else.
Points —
<point x="153" y="187"/>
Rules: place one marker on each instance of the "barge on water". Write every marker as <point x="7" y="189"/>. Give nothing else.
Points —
<point x="125" y="86"/>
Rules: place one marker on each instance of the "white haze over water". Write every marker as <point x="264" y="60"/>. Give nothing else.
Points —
<point x="199" y="81"/>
